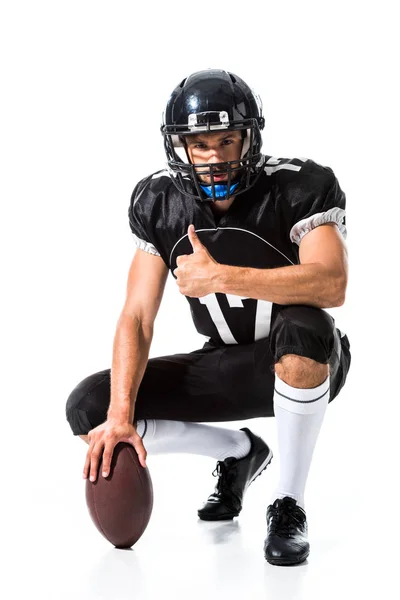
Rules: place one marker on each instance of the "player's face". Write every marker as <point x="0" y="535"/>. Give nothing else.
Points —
<point x="211" y="148"/>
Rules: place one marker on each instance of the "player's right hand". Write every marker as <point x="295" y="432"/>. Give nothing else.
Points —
<point x="102" y="441"/>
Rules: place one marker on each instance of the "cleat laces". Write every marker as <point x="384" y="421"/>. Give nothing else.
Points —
<point x="284" y="520"/>
<point x="223" y="488"/>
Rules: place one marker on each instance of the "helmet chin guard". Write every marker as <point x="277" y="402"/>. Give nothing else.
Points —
<point x="211" y="101"/>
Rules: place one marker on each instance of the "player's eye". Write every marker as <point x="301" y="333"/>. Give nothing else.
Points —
<point x="200" y="146"/>
<point x="227" y="142"/>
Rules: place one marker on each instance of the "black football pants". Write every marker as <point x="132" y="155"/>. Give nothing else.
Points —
<point x="220" y="383"/>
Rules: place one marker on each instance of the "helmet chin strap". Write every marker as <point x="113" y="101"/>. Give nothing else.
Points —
<point x="220" y="190"/>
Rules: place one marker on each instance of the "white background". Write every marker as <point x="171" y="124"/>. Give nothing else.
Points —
<point x="83" y="86"/>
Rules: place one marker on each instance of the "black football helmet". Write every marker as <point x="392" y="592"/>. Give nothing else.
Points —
<point x="209" y="101"/>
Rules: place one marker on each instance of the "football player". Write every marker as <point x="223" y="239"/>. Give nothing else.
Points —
<point x="256" y="245"/>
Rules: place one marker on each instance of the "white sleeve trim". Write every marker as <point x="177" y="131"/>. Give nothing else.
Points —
<point x="333" y="215"/>
<point x="146" y="246"/>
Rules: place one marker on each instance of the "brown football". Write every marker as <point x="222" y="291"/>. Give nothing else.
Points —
<point x="121" y="504"/>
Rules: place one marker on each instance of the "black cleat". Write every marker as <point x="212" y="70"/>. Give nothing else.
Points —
<point x="286" y="542"/>
<point x="234" y="477"/>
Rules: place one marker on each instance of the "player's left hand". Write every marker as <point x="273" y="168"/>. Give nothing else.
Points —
<point x="196" y="273"/>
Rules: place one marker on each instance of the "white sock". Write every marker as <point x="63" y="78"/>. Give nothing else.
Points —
<point x="161" y="436"/>
<point x="299" y="414"/>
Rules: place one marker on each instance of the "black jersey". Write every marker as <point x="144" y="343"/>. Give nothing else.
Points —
<point x="262" y="228"/>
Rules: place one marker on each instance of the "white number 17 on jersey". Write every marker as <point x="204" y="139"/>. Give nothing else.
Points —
<point x="263" y="316"/>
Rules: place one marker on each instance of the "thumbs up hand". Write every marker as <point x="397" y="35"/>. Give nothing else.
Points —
<point x="196" y="274"/>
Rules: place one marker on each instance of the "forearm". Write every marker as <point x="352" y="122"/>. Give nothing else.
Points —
<point x="310" y="284"/>
<point x="130" y="355"/>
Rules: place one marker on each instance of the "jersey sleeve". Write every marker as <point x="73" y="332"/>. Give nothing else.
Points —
<point x="319" y="200"/>
<point x="138" y="222"/>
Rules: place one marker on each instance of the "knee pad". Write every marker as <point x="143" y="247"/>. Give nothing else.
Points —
<point x="302" y="330"/>
<point x="88" y="403"/>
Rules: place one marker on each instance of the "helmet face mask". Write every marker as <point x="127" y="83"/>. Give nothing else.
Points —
<point x="230" y="106"/>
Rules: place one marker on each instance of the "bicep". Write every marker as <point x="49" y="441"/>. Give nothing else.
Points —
<point x="325" y="245"/>
<point x="145" y="287"/>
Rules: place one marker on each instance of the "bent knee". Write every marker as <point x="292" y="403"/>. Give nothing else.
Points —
<point x="88" y="403"/>
<point x="302" y="331"/>
<point x="300" y="371"/>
